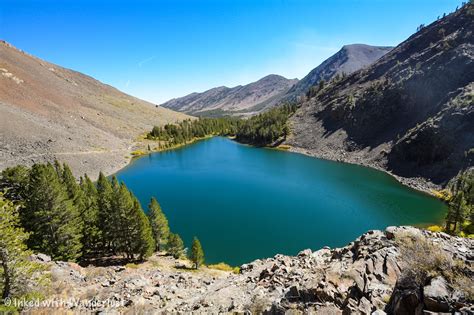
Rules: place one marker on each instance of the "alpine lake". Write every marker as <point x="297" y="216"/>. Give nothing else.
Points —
<point x="246" y="203"/>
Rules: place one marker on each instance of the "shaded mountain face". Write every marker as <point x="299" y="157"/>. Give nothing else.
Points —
<point x="412" y="112"/>
<point x="48" y="112"/>
<point x="249" y="98"/>
<point x="346" y="61"/>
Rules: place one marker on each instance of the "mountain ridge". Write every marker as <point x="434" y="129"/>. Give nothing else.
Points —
<point x="347" y="60"/>
<point x="410" y="113"/>
<point x="276" y="89"/>
<point x="232" y="99"/>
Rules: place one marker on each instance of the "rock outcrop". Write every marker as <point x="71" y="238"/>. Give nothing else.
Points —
<point x="371" y="274"/>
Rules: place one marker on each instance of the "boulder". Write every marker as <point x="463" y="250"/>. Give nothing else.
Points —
<point x="43" y="258"/>
<point x="436" y="295"/>
<point x="407" y="297"/>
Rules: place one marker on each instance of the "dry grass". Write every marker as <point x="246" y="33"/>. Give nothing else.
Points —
<point x="224" y="267"/>
<point x="425" y="260"/>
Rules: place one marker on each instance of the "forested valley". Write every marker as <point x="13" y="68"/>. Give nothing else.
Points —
<point x="261" y="130"/>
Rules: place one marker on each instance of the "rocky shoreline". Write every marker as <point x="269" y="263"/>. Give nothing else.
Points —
<point x="366" y="276"/>
<point x="417" y="183"/>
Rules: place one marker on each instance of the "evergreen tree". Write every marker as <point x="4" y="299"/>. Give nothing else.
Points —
<point x="104" y="203"/>
<point x="175" y="245"/>
<point x="14" y="182"/>
<point x="159" y="224"/>
<point x="120" y="231"/>
<point x="70" y="183"/>
<point x="461" y="205"/>
<point x="89" y="212"/>
<point x="50" y="216"/>
<point x="197" y="254"/>
<point x="143" y="243"/>
<point x="58" y="167"/>
<point x="17" y="271"/>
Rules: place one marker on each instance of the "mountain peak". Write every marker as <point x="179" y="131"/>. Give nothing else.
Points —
<point x="348" y="59"/>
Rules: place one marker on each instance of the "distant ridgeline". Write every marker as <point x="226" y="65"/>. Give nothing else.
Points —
<point x="263" y="129"/>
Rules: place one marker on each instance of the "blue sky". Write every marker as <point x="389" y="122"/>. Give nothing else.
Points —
<point x="157" y="50"/>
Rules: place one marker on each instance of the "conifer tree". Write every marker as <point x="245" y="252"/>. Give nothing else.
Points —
<point x="70" y="183"/>
<point x="159" y="224"/>
<point x="104" y="202"/>
<point x="120" y="230"/>
<point x="58" y="167"/>
<point x="17" y="271"/>
<point x="175" y="245"/>
<point x="197" y="254"/>
<point x="142" y="240"/>
<point x="50" y="216"/>
<point x="14" y="182"/>
<point x="89" y="212"/>
<point x="131" y="234"/>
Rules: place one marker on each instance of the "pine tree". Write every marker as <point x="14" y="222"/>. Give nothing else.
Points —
<point x="104" y="203"/>
<point x="58" y="167"/>
<point x="69" y="181"/>
<point x="120" y="231"/>
<point x="50" y="216"/>
<point x="197" y="254"/>
<point x="14" y="182"/>
<point x="159" y="224"/>
<point x="89" y="212"/>
<point x="17" y="271"/>
<point x="143" y="242"/>
<point x="175" y="245"/>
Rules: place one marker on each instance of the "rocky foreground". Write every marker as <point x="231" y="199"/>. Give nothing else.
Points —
<point x="400" y="270"/>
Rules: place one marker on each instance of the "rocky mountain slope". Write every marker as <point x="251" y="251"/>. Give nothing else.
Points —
<point x="252" y="97"/>
<point x="274" y="89"/>
<point x="48" y="112"/>
<point x="402" y="270"/>
<point x="410" y="113"/>
<point x="346" y="61"/>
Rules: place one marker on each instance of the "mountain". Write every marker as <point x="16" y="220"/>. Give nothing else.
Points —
<point x="252" y="97"/>
<point x="49" y="112"/>
<point x="274" y="89"/>
<point x="410" y="113"/>
<point x="346" y="61"/>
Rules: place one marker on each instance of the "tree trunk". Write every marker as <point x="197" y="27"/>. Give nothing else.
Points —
<point x="6" y="274"/>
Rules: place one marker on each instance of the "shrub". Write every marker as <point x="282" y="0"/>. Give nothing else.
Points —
<point x="435" y="228"/>
<point x="424" y="259"/>
<point x="224" y="267"/>
<point x="131" y="266"/>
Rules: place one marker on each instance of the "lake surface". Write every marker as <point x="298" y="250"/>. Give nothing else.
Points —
<point x="245" y="203"/>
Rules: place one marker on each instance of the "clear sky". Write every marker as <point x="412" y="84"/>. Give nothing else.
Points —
<point x="157" y="50"/>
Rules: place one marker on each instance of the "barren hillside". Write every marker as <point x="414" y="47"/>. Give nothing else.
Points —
<point x="411" y="113"/>
<point x="346" y="61"/>
<point x="48" y="112"/>
<point x="250" y="98"/>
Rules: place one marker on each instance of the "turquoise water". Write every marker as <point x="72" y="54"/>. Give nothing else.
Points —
<point x="245" y="203"/>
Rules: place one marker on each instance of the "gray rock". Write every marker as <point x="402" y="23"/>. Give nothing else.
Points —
<point x="41" y="258"/>
<point x="436" y="295"/>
